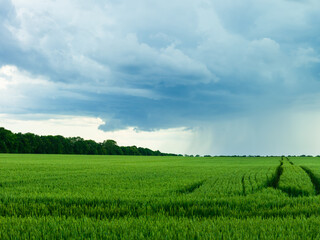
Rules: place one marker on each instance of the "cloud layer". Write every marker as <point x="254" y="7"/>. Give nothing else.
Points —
<point x="158" y="64"/>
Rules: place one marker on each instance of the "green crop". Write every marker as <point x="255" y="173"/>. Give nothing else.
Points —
<point x="131" y="197"/>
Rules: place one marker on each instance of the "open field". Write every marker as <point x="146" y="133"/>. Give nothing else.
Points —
<point x="134" y="197"/>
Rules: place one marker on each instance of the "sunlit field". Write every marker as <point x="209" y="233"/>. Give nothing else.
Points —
<point x="135" y="197"/>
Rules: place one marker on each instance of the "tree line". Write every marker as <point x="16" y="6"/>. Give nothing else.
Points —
<point x="32" y="143"/>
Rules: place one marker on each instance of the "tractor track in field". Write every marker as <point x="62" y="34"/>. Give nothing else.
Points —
<point x="315" y="181"/>
<point x="191" y="188"/>
<point x="274" y="182"/>
<point x="289" y="161"/>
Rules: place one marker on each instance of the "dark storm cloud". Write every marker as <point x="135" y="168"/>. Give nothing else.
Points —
<point x="154" y="65"/>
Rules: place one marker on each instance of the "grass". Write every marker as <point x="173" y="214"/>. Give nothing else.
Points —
<point x="130" y="197"/>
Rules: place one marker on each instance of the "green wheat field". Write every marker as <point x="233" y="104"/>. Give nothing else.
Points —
<point x="135" y="197"/>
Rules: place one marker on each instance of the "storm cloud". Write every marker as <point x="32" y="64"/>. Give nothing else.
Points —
<point x="156" y="65"/>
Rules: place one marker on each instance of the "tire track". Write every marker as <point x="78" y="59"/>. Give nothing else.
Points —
<point x="315" y="181"/>
<point x="191" y="188"/>
<point x="274" y="182"/>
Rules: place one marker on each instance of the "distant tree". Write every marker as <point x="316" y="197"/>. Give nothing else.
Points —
<point x="31" y="143"/>
<point x="111" y="147"/>
<point x="8" y="141"/>
<point x="3" y="147"/>
<point x="133" y="150"/>
<point x="92" y="147"/>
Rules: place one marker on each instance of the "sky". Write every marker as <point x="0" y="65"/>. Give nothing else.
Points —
<point x="192" y="77"/>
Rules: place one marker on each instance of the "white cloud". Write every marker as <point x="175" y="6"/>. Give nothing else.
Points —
<point x="306" y="57"/>
<point x="20" y="90"/>
<point x="23" y="91"/>
<point x="110" y="42"/>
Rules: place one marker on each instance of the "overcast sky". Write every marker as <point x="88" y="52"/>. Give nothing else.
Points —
<point x="185" y="76"/>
